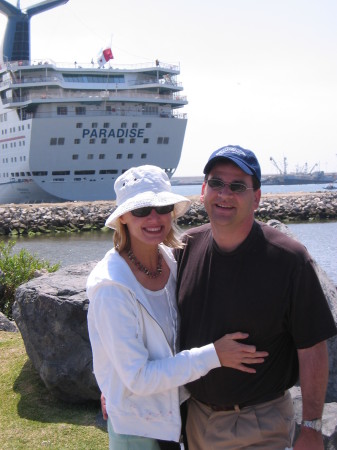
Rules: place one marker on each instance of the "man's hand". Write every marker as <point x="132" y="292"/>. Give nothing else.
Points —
<point x="234" y="354"/>
<point x="103" y="407"/>
<point x="309" y="440"/>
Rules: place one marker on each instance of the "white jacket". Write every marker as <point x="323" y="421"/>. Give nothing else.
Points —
<point x="133" y="362"/>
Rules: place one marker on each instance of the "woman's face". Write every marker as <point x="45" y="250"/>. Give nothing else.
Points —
<point x="149" y="230"/>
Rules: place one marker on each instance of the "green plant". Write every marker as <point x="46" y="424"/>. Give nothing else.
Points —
<point x="17" y="268"/>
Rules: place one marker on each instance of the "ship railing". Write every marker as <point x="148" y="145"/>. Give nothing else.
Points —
<point x="92" y="96"/>
<point x="58" y="79"/>
<point x="158" y="65"/>
<point x="104" y="113"/>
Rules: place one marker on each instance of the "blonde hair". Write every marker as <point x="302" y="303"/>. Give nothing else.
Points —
<point x="121" y="237"/>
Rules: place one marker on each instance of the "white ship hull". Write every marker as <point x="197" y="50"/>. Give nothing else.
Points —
<point x="59" y="144"/>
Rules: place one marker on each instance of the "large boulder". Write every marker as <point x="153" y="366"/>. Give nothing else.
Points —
<point x="331" y="296"/>
<point x="51" y="314"/>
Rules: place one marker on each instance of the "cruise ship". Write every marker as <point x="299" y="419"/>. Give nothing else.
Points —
<point x="66" y="133"/>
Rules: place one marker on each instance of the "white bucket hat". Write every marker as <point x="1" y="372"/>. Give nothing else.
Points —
<point x="145" y="186"/>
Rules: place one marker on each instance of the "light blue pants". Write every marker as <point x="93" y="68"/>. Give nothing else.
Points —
<point x="130" y="442"/>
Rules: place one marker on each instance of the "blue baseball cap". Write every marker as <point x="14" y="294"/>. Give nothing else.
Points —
<point x="243" y="158"/>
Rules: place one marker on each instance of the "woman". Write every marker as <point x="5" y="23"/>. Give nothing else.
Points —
<point x="133" y="318"/>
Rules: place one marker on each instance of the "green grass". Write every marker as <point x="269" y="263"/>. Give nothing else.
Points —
<point x="30" y="418"/>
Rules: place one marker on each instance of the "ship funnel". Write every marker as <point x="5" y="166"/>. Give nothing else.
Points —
<point x="16" y="41"/>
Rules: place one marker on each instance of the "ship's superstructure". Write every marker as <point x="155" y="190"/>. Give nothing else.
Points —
<point x="66" y="133"/>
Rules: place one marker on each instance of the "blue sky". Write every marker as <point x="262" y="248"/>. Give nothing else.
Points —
<point x="258" y="73"/>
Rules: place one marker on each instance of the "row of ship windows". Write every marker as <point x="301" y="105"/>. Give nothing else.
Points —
<point x="81" y="110"/>
<point x="76" y="157"/>
<point x="13" y="159"/>
<point x="13" y="144"/>
<point x="44" y="173"/>
<point x="107" y="125"/>
<point x="13" y="130"/>
<point x="61" y="141"/>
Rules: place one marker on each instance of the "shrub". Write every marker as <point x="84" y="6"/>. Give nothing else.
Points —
<point x="17" y="269"/>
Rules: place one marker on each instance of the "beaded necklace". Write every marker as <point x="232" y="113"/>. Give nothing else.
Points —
<point x="144" y="269"/>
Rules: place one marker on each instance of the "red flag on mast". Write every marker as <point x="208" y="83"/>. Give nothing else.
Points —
<point x="105" y="57"/>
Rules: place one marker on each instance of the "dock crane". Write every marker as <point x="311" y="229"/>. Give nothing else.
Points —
<point x="277" y="167"/>
<point x="313" y="167"/>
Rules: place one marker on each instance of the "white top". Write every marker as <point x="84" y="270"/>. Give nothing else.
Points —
<point x="136" y="369"/>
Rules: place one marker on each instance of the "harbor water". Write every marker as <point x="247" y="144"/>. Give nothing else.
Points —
<point x="66" y="249"/>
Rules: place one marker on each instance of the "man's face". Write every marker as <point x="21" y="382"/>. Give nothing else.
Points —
<point x="227" y="208"/>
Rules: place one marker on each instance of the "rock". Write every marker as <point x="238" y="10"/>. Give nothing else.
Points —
<point x="331" y="296"/>
<point x="87" y="216"/>
<point x="329" y="419"/>
<point x="6" y="324"/>
<point x="51" y="314"/>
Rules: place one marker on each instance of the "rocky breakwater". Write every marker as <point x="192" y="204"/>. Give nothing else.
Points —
<point x="84" y="216"/>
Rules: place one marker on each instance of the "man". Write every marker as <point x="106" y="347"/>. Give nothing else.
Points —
<point x="236" y="274"/>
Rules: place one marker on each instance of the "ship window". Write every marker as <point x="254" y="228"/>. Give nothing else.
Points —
<point x="166" y="140"/>
<point x="62" y="110"/>
<point x="135" y="125"/>
<point x="61" y="172"/>
<point x="40" y="173"/>
<point x="94" y="125"/>
<point x="104" y="140"/>
<point x="22" y="174"/>
<point x="160" y="140"/>
<point x="58" y="179"/>
<point x="28" y="174"/>
<point x="16" y="174"/>
<point x="121" y="141"/>
<point x="77" y="141"/>
<point x="132" y="140"/>
<point x="143" y="156"/>
<point x="148" y="125"/>
<point x="92" y="141"/>
<point x="28" y="125"/>
<point x="90" y="156"/>
<point x="60" y="141"/>
<point x="130" y="156"/>
<point x="79" y="125"/>
<point x="101" y="156"/>
<point x="75" y="156"/>
<point x="80" y="110"/>
<point x="53" y="141"/>
<point x="105" y="171"/>
<point x="119" y="156"/>
<point x="123" y="125"/>
<point x="84" y="172"/>
<point x="106" y="125"/>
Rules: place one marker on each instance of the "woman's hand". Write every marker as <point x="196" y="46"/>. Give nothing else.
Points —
<point x="234" y="354"/>
<point x="103" y="407"/>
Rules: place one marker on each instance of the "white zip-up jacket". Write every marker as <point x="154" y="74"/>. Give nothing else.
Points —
<point x="134" y="365"/>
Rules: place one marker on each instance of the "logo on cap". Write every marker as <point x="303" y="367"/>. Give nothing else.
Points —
<point x="234" y="150"/>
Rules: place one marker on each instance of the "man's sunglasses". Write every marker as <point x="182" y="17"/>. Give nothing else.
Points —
<point x="217" y="185"/>
<point x="146" y="211"/>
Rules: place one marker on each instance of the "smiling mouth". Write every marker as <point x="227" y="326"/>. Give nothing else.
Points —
<point x="223" y="206"/>
<point x="153" y="229"/>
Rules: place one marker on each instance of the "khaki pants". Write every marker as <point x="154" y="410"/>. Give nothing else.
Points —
<point x="269" y="425"/>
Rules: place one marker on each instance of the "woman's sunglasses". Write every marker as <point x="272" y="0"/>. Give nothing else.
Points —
<point x="146" y="211"/>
